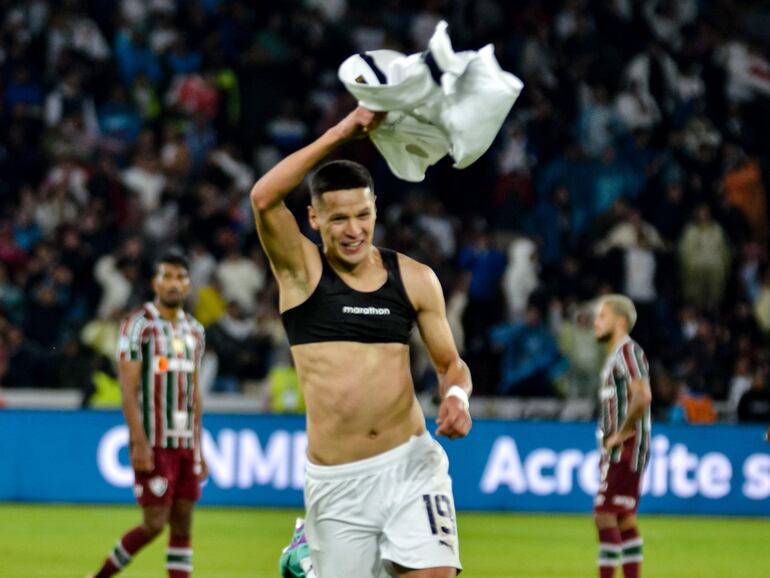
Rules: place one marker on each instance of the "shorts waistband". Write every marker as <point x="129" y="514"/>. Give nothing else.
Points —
<point x="368" y="465"/>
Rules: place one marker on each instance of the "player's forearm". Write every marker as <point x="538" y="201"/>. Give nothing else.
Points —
<point x="636" y="409"/>
<point x="456" y="373"/>
<point x="132" y="414"/>
<point x="284" y="177"/>
<point x="197" y="422"/>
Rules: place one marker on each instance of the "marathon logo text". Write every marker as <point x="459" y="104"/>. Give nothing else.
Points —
<point x="365" y="310"/>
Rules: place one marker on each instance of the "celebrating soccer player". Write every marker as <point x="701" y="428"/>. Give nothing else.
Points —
<point x="160" y="351"/>
<point x="377" y="492"/>
<point x="625" y="398"/>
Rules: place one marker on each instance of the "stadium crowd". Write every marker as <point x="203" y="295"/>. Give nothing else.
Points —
<point x="636" y="160"/>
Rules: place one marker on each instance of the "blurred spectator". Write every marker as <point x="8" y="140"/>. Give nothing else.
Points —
<point x="584" y="354"/>
<point x="11" y="298"/>
<point x="754" y="406"/>
<point x="740" y="382"/>
<point x="520" y="278"/>
<point x="598" y="123"/>
<point x="671" y="212"/>
<point x="119" y="274"/>
<point x="692" y="407"/>
<point x="11" y="255"/>
<point x="485" y="265"/>
<point x="23" y="94"/>
<point x="639" y="284"/>
<point x="194" y="95"/>
<point x="74" y="370"/>
<point x="744" y="189"/>
<point x="241" y="279"/>
<point x="118" y="118"/>
<point x="705" y="260"/>
<point x="628" y="233"/>
<point x="135" y="57"/>
<point x="69" y="99"/>
<point x="762" y="306"/>
<point x="26" y="361"/>
<point x="242" y="352"/>
<point x="550" y="226"/>
<point x="636" y="108"/>
<point x="530" y="356"/>
<point x="145" y="179"/>
<point x="101" y="335"/>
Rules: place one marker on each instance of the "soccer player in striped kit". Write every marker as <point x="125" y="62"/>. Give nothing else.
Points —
<point x="160" y="350"/>
<point x="624" y="434"/>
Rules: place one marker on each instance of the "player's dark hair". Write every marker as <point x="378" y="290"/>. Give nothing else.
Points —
<point x="338" y="176"/>
<point x="172" y="257"/>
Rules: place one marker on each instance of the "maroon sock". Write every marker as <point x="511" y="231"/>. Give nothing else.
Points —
<point x="131" y="542"/>
<point x="631" y="556"/>
<point x="609" y="552"/>
<point x="179" y="557"/>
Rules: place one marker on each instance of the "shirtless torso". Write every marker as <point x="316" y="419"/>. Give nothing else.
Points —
<point x="359" y="396"/>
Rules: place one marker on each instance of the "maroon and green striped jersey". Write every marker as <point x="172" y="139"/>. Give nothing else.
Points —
<point x="625" y="364"/>
<point x="170" y="353"/>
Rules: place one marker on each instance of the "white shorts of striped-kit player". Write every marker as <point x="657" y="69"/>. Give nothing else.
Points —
<point x="396" y="507"/>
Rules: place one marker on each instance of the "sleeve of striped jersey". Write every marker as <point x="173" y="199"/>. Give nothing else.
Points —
<point x="636" y="362"/>
<point x="132" y="336"/>
<point x="200" y="334"/>
<point x="201" y="345"/>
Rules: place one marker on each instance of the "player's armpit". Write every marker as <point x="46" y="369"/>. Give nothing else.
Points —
<point x="284" y="244"/>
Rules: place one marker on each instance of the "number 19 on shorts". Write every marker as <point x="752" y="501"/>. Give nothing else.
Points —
<point x="440" y="514"/>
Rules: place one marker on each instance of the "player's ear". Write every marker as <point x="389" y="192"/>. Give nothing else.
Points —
<point x="312" y="216"/>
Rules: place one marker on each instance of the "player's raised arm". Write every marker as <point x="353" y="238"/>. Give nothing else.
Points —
<point x="454" y="378"/>
<point x="279" y="233"/>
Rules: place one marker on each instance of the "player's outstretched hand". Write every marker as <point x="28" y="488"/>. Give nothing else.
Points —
<point x="454" y="419"/>
<point x="142" y="458"/>
<point x="359" y="123"/>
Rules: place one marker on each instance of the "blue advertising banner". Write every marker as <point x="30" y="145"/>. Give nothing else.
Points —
<point x="258" y="460"/>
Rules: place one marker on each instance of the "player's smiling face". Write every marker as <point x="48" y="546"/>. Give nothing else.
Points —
<point x="171" y="284"/>
<point x="604" y="323"/>
<point x="345" y="219"/>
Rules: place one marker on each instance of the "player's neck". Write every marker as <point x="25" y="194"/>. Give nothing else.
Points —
<point x="167" y="313"/>
<point x="616" y="340"/>
<point x="354" y="270"/>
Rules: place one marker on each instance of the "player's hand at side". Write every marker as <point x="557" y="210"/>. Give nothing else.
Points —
<point x="454" y="419"/>
<point x="201" y="469"/>
<point x="613" y="441"/>
<point x="359" y="123"/>
<point x="142" y="458"/>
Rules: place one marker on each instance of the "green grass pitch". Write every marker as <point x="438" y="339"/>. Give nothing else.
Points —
<point x="38" y="541"/>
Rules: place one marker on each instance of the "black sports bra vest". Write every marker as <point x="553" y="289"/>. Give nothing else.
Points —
<point x="337" y="312"/>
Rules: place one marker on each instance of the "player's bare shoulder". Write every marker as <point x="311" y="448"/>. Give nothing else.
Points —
<point x="420" y="282"/>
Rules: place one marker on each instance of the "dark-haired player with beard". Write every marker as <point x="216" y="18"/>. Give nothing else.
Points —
<point x="160" y="351"/>
<point x="624" y="434"/>
<point x="377" y="490"/>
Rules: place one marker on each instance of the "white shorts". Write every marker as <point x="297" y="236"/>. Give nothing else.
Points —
<point x="396" y="507"/>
